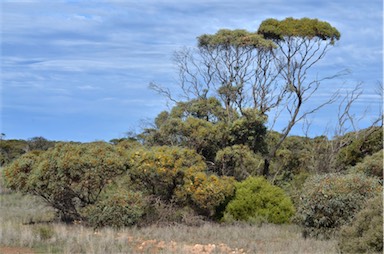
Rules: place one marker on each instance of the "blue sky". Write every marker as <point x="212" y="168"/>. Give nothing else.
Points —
<point x="79" y="70"/>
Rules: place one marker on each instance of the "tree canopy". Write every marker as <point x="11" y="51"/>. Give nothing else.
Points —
<point x="303" y="28"/>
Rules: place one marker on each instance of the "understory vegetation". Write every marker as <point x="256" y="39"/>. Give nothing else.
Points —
<point x="209" y="170"/>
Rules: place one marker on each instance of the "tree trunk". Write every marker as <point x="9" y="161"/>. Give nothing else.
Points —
<point x="266" y="167"/>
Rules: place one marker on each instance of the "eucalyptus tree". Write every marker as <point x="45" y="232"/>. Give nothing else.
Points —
<point x="267" y="71"/>
<point x="301" y="43"/>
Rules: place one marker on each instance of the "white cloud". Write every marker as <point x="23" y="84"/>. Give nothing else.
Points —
<point x="78" y="52"/>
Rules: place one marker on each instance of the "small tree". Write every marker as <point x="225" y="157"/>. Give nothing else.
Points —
<point x="39" y="143"/>
<point x="267" y="71"/>
<point x="68" y="177"/>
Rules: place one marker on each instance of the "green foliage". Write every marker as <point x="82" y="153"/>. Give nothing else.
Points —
<point x="201" y="125"/>
<point x="365" y="142"/>
<point x="45" y="232"/>
<point x="305" y="28"/>
<point x="238" y="161"/>
<point x="40" y="143"/>
<point x="332" y="200"/>
<point x="249" y="130"/>
<point x="68" y="176"/>
<point x="177" y="175"/>
<point x="160" y="171"/>
<point x="365" y="234"/>
<point x="16" y="174"/>
<point x="207" y="194"/>
<point x="236" y="38"/>
<point x="256" y="199"/>
<point x="118" y="208"/>
<point x="371" y="165"/>
<point x="11" y="149"/>
<point x="208" y="109"/>
<point x="196" y="124"/>
<point x="293" y="157"/>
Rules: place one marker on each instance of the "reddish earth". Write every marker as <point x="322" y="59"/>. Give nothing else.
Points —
<point x="152" y="246"/>
<point x="15" y="250"/>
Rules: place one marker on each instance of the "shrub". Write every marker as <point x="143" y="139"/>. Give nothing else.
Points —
<point x="161" y="213"/>
<point x="160" y="171"/>
<point x="365" y="234"/>
<point x="117" y="209"/>
<point x="177" y="175"/>
<point x="257" y="199"/>
<point x="45" y="232"/>
<point x="207" y="194"/>
<point x="238" y="161"/>
<point x="331" y="201"/>
<point x="365" y="142"/>
<point x="372" y="165"/>
<point x="67" y="176"/>
<point x="17" y="173"/>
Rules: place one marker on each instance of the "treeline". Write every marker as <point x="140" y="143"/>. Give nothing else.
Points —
<point x="135" y="181"/>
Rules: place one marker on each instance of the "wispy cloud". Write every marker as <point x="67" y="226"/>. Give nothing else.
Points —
<point x="93" y="60"/>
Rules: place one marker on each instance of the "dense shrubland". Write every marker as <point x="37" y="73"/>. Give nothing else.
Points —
<point x="212" y="157"/>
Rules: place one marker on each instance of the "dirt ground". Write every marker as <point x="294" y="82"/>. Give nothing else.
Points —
<point x="15" y="250"/>
<point x="152" y="246"/>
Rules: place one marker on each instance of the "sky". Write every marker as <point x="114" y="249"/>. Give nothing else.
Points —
<point x="79" y="70"/>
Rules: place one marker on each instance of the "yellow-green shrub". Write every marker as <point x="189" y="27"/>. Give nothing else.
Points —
<point x="17" y="173"/>
<point x="68" y="176"/>
<point x="256" y="199"/>
<point x="207" y="194"/>
<point x="160" y="171"/>
<point x="177" y="175"/>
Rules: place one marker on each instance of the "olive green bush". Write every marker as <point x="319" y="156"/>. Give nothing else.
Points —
<point x="360" y="144"/>
<point x="178" y="175"/>
<point x="118" y="208"/>
<point x="372" y="165"/>
<point x="238" y="161"/>
<point x="330" y="201"/>
<point x="365" y="233"/>
<point x="257" y="200"/>
<point x="68" y="176"/>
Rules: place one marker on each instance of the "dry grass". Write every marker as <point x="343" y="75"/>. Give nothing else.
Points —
<point x="18" y="211"/>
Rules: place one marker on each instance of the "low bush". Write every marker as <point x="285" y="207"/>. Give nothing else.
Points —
<point x="331" y="201"/>
<point x="365" y="234"/>
<point x="207" y="194"/>
<point x="372" y="165"/>
<point x="68" y="176"/>
<point x="120" y="208"/>
<point x="257" y="200"/>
